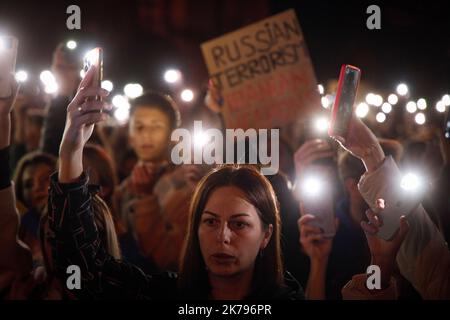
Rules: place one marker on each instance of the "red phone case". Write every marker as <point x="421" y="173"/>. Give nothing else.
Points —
<point x="335" y="110"/>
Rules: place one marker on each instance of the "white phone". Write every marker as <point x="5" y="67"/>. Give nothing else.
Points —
<point x="399" y="201"/>
<point x="8" y="56"/>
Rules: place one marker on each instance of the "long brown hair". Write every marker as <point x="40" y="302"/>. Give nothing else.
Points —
<point x="268" y="271"/>
<point x="105" y="226"/>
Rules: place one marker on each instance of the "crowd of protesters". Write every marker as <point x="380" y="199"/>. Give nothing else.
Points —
<point x="74" y="191"/>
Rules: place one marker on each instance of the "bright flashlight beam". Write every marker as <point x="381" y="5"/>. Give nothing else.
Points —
<point x="47" y="77"/>
<point x="446" y="100"/>
<point x="172" y="76"/>
<point x="122" y="115"/>
<point x="133" y="90"/>
<point x="72" y="45"/>
<point x="120" y="101"/>
<point x="200" y="139"/>
<point x="107" y="85"/>
<point x="421" y="104"/>
<point x="362" y="110"/>
<point x="321" y="89"/>
<point x="386" y="107"/>
<point x="392" y="99"/>
<point x="311" y="187"/>
<point x="322" y="124"/>
<point x="420" y="118"/>
<point x="325" y="102"/>
<point x="380" y="117"/>
<point x="21" y="76"/>
<point x="187" y="95"/>
<point x="402" y="89"/>
<point x="440" y="106"/>
<point x="410" y="182"/>
<point x="411" y="107"/>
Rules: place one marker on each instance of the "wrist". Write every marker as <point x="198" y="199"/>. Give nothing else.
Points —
<point x="319" y="264"/>
<point x="373" y="158"/>
<point x="70" y="166"/>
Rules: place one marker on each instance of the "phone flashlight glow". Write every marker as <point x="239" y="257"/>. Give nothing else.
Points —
<point x="91" y="58"/>
<point x="200" y="139"/>
<point x="411" y="182"/>
<point x="312" y="187"/>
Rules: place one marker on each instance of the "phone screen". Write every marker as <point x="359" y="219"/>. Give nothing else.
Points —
<point x="345" y="98"/>
<point x="8" y="54"/>
<point x="95" y="58"/>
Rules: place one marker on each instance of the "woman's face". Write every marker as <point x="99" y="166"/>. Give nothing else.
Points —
<point x="231" y="234"/>
<point x="35" y="181"/>
<point x="149" y="134"/>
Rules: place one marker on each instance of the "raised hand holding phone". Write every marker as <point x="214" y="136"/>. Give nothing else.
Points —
<point x="351" y="133"/>
<point x="82" y="115"/>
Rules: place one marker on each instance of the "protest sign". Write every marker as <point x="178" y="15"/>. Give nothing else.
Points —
<point x="265" y="73"/>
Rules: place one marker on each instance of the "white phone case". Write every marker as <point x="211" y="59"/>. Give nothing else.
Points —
<point x="398" y="202"/>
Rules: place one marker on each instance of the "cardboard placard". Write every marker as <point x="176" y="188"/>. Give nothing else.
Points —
<point x="265" y="73"/>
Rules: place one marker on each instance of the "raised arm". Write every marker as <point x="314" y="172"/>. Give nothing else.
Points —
<point x="73" y="233"/>
<point x="424" y="257"/>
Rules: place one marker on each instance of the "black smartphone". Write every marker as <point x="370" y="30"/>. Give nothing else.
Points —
<point x="95" y="57"/>
<point x="342" y="110"/>
<point x="8" y="55"/>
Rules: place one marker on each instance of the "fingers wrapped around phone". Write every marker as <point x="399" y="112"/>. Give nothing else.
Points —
<point x="307" y="231"/>
<point x="80" y="103"/>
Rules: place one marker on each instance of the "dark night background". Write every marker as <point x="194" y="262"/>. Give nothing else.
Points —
<point x="142" y="38"/>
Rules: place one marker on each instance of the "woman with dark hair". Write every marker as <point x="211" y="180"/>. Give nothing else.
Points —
<point x="233" y="243"/>
<point x="233" y="246"/>
<point x="32" y="180"/>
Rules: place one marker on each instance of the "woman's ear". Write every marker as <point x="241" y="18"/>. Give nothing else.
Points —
<point x="267" y="235"/>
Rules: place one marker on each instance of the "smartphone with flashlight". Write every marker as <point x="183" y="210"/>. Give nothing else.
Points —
<point x="316" y="198"/>
<point x="95" y="58"/>
<point x="401" y="196"/>
<point x="8" y="55"/>
<point x="342" y="110"/>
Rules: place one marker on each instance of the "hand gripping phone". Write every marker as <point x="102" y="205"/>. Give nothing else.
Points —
<point x="8" y="55"/>
<point x="342" y="110"/>
<point x="316" y="198"/>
